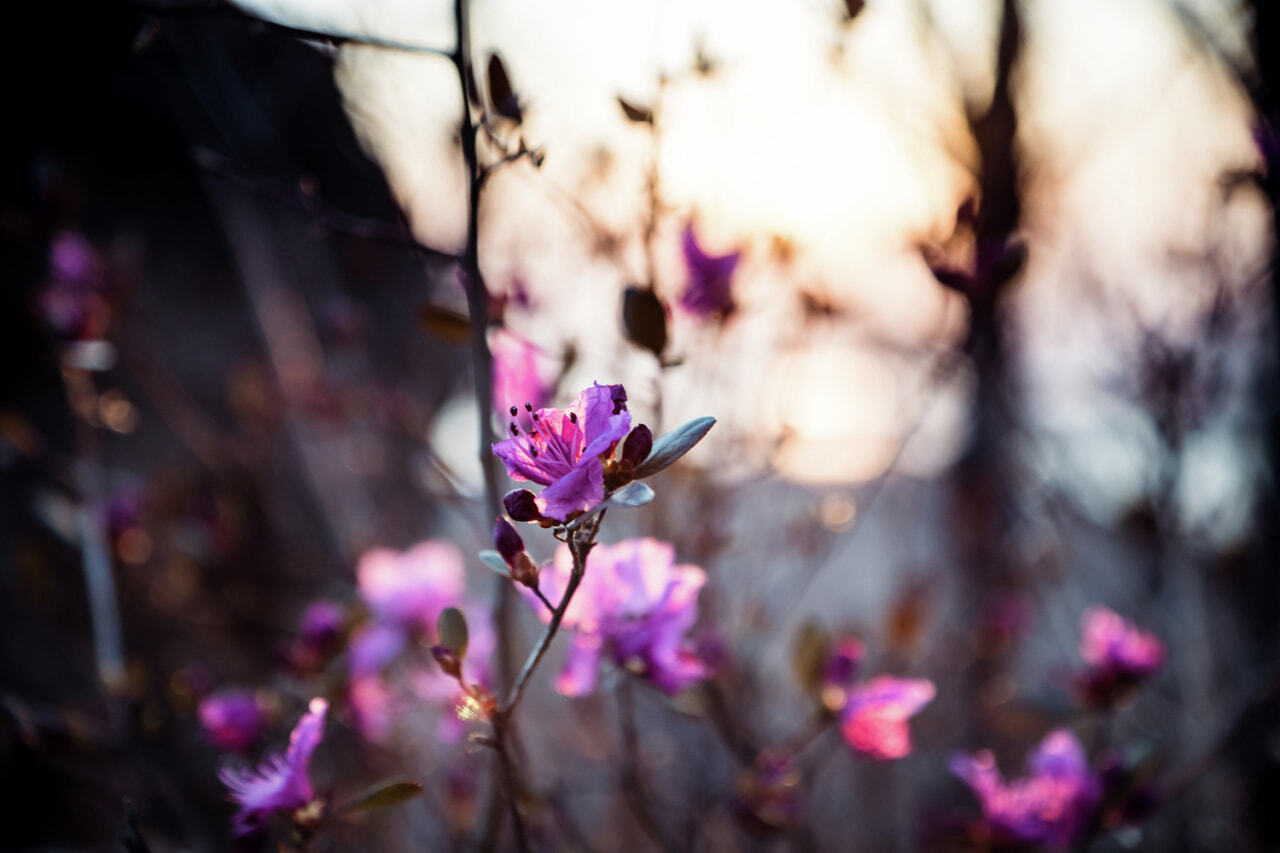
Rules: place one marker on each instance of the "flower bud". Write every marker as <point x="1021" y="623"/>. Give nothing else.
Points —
<point x="524" y="570"/>
<point x="636" y="447"/>
<point x="507" y="541"/>
<point x="521" y="505"/>
<point x="449" y="662"/>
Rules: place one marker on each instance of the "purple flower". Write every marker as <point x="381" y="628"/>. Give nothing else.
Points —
<point x="410" y="588"/>
<point x="874" y="716"/>
<point x="563" y="449"/>
<point x="1119" y="656"/>
<point x="232" y="720"/>
<point x="1048" y="806"/>
<point x="373" y="707"/>
<point x="374" y="647"/>
<point x="280" y="783"/>
<point x="707" y="295"/>
<point x="519" y="372"/>
<point x="322" y="624"/>
<point x="635" y="606"/>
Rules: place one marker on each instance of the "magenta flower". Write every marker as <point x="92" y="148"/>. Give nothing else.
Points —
<point x="409" y="588"/>
<point x="231" y="719"/>
<point x="280" y="784"/>
<point x="635" y="606"/>
<point x="708" y="294"/>
<point x="373" y="707"/>
<point x="1119" y="656"/>
<point x="1049" y="806"/>
<point x="519" y="372"/>
<point x="874" y="716"/>
<point x="564" y="449"/>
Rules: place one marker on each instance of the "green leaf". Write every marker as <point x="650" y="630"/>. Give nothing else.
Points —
<point x="809" y="651"/>
<point x="671" y="446"/>
<point x="494" y="561"/>
<point x="388" y="792"/>
<point x="452" y="628"/>
<point x="632" y="494"/>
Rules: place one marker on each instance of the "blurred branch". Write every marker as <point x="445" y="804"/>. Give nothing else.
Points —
<point x="175" y="8"/>
<point x="321" y="212"/>
<point x="633" y="786"/>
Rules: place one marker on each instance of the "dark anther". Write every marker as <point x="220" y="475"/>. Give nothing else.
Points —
<point x="573" y="417"/>
<point x="514" y="411"/>
<point x="515" y="430"/>
<point x="533" y="451"/>
<point x="528" y="407"/>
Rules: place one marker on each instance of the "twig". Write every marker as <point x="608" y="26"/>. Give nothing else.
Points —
<point x="579" y="548"/>
<point x="632" y="782"/>
<point x="541" y="597"/>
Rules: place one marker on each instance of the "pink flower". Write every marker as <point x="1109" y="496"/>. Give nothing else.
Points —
<point x="563" y="449"/>
<point x="519" y="372"/>
<point x="635" y="606"/>
<point x="1119" y="656"/>
<point x="373" y="707"/>
<point x="280" y="784"/>
<point x="410" y="588"/>
<point x="874" y="717"/>
<point x="1048" y="806"/>
<point x="708" y="293"/>
<point x="232" y="720"/>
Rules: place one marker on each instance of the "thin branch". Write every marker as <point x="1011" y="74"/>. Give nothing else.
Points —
<point x="541" y="597"/>
<point x="321" y="212"/>
<point x="632" y="782"/>
<point x="579" y="548"/>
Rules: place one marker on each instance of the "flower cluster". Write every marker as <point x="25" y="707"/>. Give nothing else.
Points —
<point x="280" y="785"/>
<point x="1118" y="655"/>
<point x="405" y="593"/>
<point x="1049" y="806"/>
<point x="232" y="720"/>
<point x="566" y="451"/>
<point x="708" y="294"/>
<point x="873" y="714"/>
<point x="635" y="607"/>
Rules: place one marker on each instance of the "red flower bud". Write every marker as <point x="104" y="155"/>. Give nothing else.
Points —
<point x="638" y="444"/>
<point x="521" y="505"/>
<point x="506" y="540"/>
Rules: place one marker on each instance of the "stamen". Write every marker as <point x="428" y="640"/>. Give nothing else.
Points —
<point x="533" y="451"/>
<point x="514" y="411"/>
<point x="515" y="430"/>
<point x="573" y="417"/>
<point x="528" y="407"/>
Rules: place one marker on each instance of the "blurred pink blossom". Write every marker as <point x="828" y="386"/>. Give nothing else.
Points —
<point x="410" y="588"/>
<point x="232" y="719"/>
<point x="1048" y="806"/>
<point x="281" y="783"/>
<point x="1119" y="655"/>
<point x="874" y="717"/>
<point x="635" y="606"/>
<point x="520" y="373"/>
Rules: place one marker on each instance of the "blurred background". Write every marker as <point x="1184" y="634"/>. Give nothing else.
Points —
<point x="1001" y="345"/>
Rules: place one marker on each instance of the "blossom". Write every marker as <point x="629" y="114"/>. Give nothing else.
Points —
<point x="231" y="719"/>
<point x="1048" y="806"/>
<point x="564" y="449"/>
<point x="409" y="588"/>
<point x="707" y="294"/>
<point x="279" y="784"/>
<point x="874" y="717"/>
<point x="1118" y="655"/>
<point x="635" y="606"/>
<point x="519" y="371"/>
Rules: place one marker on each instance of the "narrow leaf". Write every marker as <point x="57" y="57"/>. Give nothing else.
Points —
<point x="639" y="115"/>
<point x="494" y="561"/>
<point x="388" y="792"/>
<point x="632" y="494"/>
<point x="501" y="95"/>
<point x="645" y="319"/>
<point x="444" y="323"/>
<point x="452" y="628"/>
<point x="671" y="446"/>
